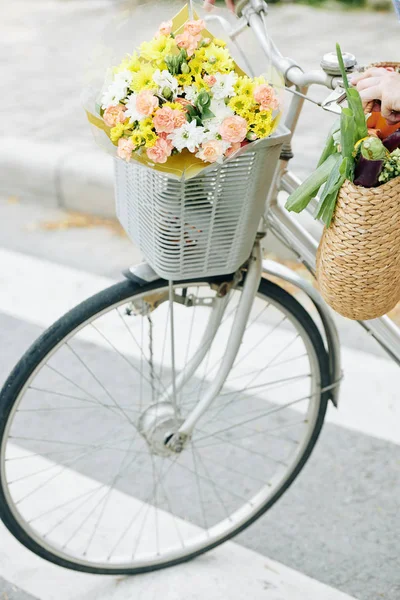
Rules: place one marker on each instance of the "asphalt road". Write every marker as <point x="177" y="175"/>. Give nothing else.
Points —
<point x="339" y="522"/>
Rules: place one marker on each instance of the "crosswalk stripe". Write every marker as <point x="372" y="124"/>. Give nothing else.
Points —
<point x="39" y="292"/>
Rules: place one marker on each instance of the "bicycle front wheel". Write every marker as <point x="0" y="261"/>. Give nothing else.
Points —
<point x="87" y="479"/>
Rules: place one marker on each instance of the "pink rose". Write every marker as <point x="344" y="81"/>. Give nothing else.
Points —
<point x="210" y="80"/>
<point x="160" y="151"/>
<point x="187" y="41"/>
<point x="114" y="114"/>
<point x="125" y="149"/>
<point x="233" y="129"/>
<point x="211" y="151"/>
<point x="165" y="28"/>
<point x="146" y="102"/>
<point x="194" y="27"/>
<point x="166" y="119"/>
<point x="232" y="149"/>
<point x="265" y="95"/>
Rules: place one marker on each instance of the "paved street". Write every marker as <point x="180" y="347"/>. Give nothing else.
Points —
<point x="338" y="524"/>
<point x="335" y="534"/>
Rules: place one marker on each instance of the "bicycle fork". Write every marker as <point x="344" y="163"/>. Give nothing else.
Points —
<point x="250" y="288"/>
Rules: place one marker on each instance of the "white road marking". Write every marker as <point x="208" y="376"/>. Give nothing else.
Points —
<point x="39" y="292"/>
<point x="230" y="571"/>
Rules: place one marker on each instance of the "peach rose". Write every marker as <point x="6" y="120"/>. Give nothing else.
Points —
<point x="233" y="129"/>
<point x="187" y="41"/>
<point x="160" y="151"/>
<point x="194" y="27"/>
<point x="114" y="114"/>
<point x="210" y="80"/>
<point x="265" y="95"/>
<point x="166" y="119"/>
<point x="165" y="28"/>
<point x="232" y="149"/>
<point x="125" y="149"/>
<point x="146" y="103"/>
<point x="211" y="151"/>
<point x="164" y="136"/>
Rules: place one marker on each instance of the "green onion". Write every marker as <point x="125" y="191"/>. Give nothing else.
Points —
<point x="303" y="195"/>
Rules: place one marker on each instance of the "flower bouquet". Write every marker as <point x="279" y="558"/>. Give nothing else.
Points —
<point x="181" y="96"/>
<point x="358" y="262"/>
<point x="194" y="133"/>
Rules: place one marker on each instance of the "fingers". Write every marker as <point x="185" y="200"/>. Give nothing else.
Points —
<point x="367" y="83"/>
<point x="369" y="95"/>
<point x="372" y="72"/>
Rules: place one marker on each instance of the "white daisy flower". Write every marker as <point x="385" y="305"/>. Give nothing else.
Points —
<point x="188" y="136"/>
<point x="132" y="112"/>
<point x="223" y="88"/>
<point x="220" y="109"/>
<point x="117" y="90"/>
<point x="165" y="79"/>
<point x="191" y="93"/>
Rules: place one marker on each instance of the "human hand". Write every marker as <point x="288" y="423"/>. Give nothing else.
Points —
<point x="230" y="4"/>
<point x="380" y="91"/>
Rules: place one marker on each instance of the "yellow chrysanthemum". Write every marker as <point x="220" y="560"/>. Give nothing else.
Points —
<point x="219" y="43"/>
<point x="262" y="124"/>
<point x="184" y="79"/>
<point x="118" y="131"/>
<point x="147" y="122"/>
<point x="174" y="105"/>
<point x="158" y="48"/>
<point x="137" y="138"/>
<point x="199" y="54"/>
<point x="143" y="79"/>
<point x="259" y="81"/>
<point x="217" y="60"/>
<point x="242" y="105"/>
<point x="196" y="67"/>
<point x="244" y="86"/>
<point x="150" y="137"/>
<point x="130" y="63"/>
<point x="201" y="84"/>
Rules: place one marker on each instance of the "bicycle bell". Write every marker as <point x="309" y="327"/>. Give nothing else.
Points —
<point x="330" y="63"/>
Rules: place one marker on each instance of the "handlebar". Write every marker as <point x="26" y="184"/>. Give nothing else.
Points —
<point x="254" y="12"/>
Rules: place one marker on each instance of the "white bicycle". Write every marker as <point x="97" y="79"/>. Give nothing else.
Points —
<point x="159" y="418"/>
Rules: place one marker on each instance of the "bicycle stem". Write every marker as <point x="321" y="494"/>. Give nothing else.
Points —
<point x="250" y="288"/>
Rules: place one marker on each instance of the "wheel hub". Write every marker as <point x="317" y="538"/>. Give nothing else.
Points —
<point x="158" y="425"/>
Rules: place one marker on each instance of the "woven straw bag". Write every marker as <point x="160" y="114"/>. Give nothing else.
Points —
<point x="358" y="260"/>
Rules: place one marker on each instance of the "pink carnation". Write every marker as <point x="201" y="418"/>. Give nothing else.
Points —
<point x="146" y="102"/>
<point x="211" y="151"/>
<point x="188" y="42"/>
<point x="233" y="129"/>
<point x="265" y="95"/>
<point x="166" y="119"/>
<point x="165" y="28"/>
<point x="125" y="149"/>
<point x="210" y="80"/>
<point x="194" y="27"/>
<point x="232" y="149"/>
<point x="114" y="114"/>
<point x="160" y="152"/>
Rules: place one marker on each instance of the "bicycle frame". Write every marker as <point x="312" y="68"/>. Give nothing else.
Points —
<point x="290" y="232"/>
<point x="281" y="222"/>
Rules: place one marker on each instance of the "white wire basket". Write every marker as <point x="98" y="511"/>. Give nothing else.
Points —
<point x="202" y="226"/>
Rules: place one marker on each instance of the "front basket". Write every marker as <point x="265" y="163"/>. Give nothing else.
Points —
<point x="202" y="226"/>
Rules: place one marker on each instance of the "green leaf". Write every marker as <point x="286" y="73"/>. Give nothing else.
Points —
<point x="347" y="133"/>
<point x="331" y="185"/>
<point x="207" y="114"/>
<point x="302" y="196"/>
<point x="328" y="209"/>
<point x="342" y="68"/>
<point x="353" y="99"/>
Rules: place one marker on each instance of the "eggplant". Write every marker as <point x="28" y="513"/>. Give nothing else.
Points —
<point x="392" y="142"/>
<point x="367" y="172"/>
